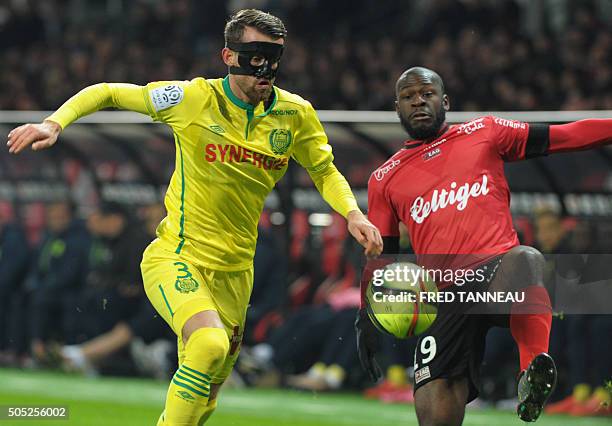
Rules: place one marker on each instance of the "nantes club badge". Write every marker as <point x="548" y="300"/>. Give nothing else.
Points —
<point x="280" y="139"/>
<point x="186" y="285"/>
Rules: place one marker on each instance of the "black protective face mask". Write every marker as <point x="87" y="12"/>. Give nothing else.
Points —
<point x="271" y="52"/>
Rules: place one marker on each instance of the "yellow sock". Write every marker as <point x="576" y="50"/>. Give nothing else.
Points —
<point x="209" y="410"/>
<point x="187" y="398"/>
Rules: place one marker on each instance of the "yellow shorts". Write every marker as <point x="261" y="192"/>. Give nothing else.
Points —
<point x="179" y="288"/>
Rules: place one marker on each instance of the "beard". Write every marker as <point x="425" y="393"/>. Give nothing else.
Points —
<point x="422" y="131"/>
<point x="254" y="93"/>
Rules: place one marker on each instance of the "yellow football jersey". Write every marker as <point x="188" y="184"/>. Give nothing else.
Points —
<point x="229" y="156"/>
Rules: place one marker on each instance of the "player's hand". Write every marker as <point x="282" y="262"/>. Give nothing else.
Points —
<point x="365" y="233"/>
<point x="40" y="136"/>
<point x="368" y="343"/>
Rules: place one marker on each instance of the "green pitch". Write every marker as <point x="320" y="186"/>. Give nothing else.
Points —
<point x="136" y="402"/>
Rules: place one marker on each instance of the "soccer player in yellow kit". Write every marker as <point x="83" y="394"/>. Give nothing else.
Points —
<point x="234" y="138"/>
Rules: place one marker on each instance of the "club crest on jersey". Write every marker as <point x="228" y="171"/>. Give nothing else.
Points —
<point x="166" y="97"/>
<point x="186" y="285"/>
<point x="280" y="140"/>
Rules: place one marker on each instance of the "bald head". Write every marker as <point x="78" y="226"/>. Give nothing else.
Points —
<point x="421" y="103"/>
<point x="419" y="75"/>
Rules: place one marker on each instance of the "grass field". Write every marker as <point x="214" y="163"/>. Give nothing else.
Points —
<point x="136" y="402"/>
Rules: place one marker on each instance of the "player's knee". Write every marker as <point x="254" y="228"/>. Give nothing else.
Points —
<point x="532" y="256"/>
<point x="527" y="263"/>
<point x="208" y="345"/>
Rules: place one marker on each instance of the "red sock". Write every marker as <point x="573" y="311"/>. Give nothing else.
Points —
<point x="530" y="322"/>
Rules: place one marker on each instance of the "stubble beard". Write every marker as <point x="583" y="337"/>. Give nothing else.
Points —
<point x="254" y="94"/>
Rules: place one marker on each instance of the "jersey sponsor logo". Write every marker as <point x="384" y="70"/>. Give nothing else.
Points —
<point x="283" y="112"/>
<point x="510" y="123"/>
<point x="280" y="139"/>
<point x="380" y="173"/>
<point x="431" y="154"/>
<point x="456" y="196"/>
<point x="166" y="97"/>
<point x="238" y="154"/>
<point x="422" y="374"/>
<point x="471" y="126"/>
<point x="435" y="144"/>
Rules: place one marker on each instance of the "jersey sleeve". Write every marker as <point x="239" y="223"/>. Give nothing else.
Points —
<point x="311" y="149"/>
<point x="175" y="103"/>
<point x="510" y="137"/>
<point x="380" y="211"/>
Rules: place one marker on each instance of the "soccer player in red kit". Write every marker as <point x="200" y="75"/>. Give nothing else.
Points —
<point x="447" y="185"/>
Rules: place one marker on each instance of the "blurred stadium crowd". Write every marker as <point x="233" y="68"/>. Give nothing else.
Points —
<point x="493" y="55"/>
<point x="71" y="296"/>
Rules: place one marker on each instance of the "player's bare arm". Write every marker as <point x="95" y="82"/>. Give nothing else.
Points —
<point x="40" y="136"/>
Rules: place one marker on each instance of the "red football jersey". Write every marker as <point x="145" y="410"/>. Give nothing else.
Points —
<point x="451" y="193"/>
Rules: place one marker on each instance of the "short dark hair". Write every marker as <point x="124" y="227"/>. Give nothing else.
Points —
<point x="262" y="21"/>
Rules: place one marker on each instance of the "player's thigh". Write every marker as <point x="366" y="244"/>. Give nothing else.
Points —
<point x="441" y="402"/>
<point x="177" y="289"/>
<point x="231" y="292"/>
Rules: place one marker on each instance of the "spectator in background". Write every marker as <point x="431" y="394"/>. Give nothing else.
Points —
<point x="551" y="236"/>
<point x="269" y="285"/>
<point x="139" y="327"/>
<point x="13" y="267"/>
<point x="113" y="287"/>
<point x="58" y="271"/>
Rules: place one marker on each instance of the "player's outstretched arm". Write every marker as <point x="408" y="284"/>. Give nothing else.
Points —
<point x="87" y="101"/>
<point x="580" y="135"/>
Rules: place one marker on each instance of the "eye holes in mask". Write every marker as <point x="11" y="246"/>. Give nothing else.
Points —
<point x="257" y="61"/>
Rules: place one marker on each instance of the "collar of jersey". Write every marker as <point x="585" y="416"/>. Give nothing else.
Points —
<point x="413" y="143"/>
<point x="245" y="105"/>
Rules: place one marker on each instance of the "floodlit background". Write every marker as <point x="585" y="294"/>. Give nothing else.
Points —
<point x="75" y="219"/>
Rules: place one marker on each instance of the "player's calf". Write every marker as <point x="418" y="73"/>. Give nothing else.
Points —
<point x="190" y="390"/>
